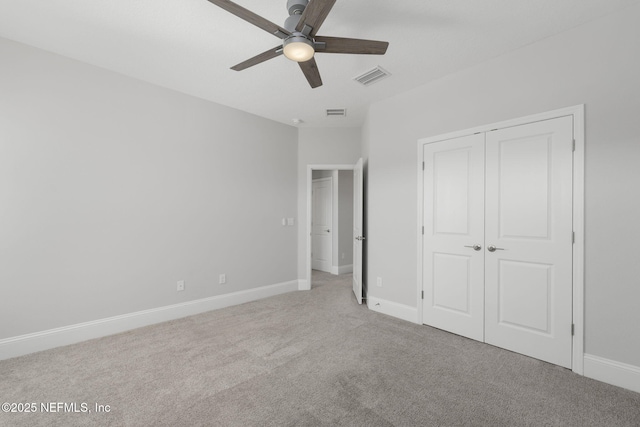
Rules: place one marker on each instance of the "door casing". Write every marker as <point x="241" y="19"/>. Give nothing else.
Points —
<point x="577" y="112"/>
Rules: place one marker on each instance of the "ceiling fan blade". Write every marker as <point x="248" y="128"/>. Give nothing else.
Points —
<point x="264" y="56"/>
<point x="310" y="70"/>
<point x="314" y="15"/>
<point x="252" y="18"/>
<point x="355" y="46"/>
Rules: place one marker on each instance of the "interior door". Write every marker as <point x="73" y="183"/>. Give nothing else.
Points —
<point x="358" y="238"/>
<point x="498" y="238"/>
<point x="453" y="235"/>
<point x="322" y="224"/>
<point x="528" y="276"/>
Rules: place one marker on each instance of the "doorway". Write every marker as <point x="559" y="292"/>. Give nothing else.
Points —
<point x="331" y="221"/>
<point x="355" y="227"/>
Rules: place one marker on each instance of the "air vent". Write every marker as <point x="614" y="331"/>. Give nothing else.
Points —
<point x="336" y="112"/>
<point x="372" y="76"/>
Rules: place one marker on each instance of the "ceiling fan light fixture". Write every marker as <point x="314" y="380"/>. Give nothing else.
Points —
<point x="298" y="48"/>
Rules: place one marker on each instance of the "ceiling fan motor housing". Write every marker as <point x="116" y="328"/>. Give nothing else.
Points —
<point x="296" y="7"/>
<point x="297" y="47"/>
<point x="291" y="23"/>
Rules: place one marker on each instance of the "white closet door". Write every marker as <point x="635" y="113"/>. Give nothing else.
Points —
<point x="528" y="277"/>
<point x="453" y="224"/>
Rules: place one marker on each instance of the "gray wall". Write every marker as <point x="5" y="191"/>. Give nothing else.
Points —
<point x="596" y="64"/>
<point x="321" y="174"/>
<point x="112" y="189"/>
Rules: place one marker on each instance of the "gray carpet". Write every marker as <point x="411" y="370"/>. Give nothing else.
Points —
<point x="304" y="359"/>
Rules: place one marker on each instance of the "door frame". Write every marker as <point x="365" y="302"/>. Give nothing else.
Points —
<point x="578" y="114"/>
<point x="310" y="169"/>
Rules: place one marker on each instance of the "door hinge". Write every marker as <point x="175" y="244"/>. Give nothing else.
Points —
<point x="422" y="165"/>
<point x="574" y="145"/>
<point x="573" y="329"/>
<point x="422" y="294"/>
<point x="423" y="230"/>
<point x="573" y="237"/>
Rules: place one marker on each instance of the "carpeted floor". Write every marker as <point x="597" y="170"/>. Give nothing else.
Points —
<point x="303" y="359"/>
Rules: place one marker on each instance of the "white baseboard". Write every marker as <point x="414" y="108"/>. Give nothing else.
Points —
<point x="341" y="269"/>
<point x="44" y="340"/>
<point x="612" y="372"/>
<point x="304" y="285"/>
<point x="394" y="309"/>
<point x="344" y="269"/>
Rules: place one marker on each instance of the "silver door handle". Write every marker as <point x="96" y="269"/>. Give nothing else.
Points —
<point x="474" y="247"/>
<point x="493" y="249"/>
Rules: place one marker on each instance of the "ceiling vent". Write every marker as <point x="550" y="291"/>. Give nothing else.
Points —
<point x="336" y="112"/>
<point x="372" y="76"/>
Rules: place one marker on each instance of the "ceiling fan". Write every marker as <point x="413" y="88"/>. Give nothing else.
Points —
<point x="299" y="40"/>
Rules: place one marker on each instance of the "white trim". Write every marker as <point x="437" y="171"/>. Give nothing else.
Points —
<point x="310" y="169"/>
<point x="420" y="227"/>
<point x="303" y="285"/>
<point x="578" y="247"/>
<point x="335" y="219"/>
<point x="390" y="308"/>
<point x="345" y="269"/>
<point x="612" y="372"/>
<point x="341" y="269"/>
<point x="578" y="113"/>
<point x="561" y="112"/>
<point x="44" y="340"/>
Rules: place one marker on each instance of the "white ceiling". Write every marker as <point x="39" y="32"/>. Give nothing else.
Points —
<point x="189" y="45"/>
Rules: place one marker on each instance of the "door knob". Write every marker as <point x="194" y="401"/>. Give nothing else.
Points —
<point x="474" y="247"/>
<point x="493" y="249"/>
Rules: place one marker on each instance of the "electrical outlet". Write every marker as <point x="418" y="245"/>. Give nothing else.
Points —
<point x="379" y="282"/>
<point x="222" y="279"/>
<point x="180" y="285"/>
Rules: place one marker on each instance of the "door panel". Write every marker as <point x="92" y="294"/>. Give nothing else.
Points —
<point x="451" y="191"/>
<point x="322" y="224"/>
<point x="528" y="279"/>
<point x="524" y="175"/>
<point x="453" y="223"/>
<point x="358" y="238"/>
<point x="451" y="282"/>
<point x="524" y="295"/>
